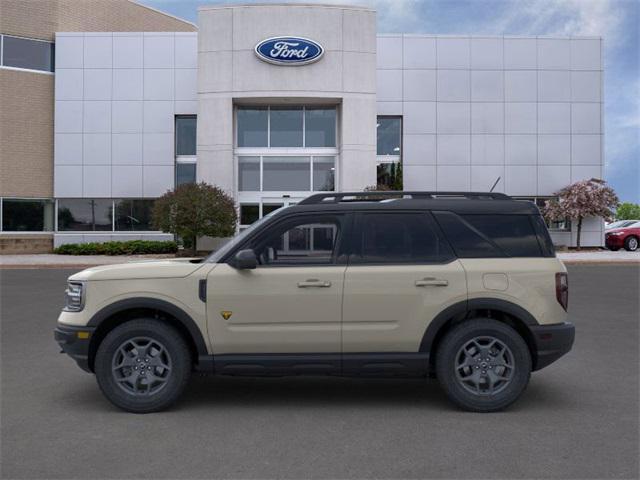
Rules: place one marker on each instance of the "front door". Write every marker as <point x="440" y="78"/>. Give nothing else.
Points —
<point x="402" y="273"/>
<point x="291" y="303"/>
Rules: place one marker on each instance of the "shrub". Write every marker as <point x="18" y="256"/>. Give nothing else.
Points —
<point x="132" y="247"/>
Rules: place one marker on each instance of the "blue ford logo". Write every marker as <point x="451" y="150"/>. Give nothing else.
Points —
<point x="289" y="50"/>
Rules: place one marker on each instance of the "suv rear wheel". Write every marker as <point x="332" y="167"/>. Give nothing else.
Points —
<point x="483" y="365"/>
<point x="143" y="366"/>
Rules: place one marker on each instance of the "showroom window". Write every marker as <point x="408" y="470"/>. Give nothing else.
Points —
<point x="186" y="140"/>
<point x="26" y="53"/>
<point x="26" y="215"/>
<point x="556" y="226"/>
<point x="85" y="215"/>
<point x="104" y="215"/>
<point x="286" y="127"/>
<point x="133" y="215"/>
<point x="275" y="173"/>
<point x="389" y="152"/>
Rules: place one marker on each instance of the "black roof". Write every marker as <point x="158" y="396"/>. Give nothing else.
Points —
<point x="458" y="202"/>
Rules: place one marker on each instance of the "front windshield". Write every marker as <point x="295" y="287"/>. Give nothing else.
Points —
<point x="216" y="255"/>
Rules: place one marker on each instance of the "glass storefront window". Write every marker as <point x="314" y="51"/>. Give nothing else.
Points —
<point x="186" y="134"/>
<point x="248" y="174"/>
<point x="267" y="208"/>
<point x="249" y="213"/>
<point x="84" y="215"/>
<point x="253" y="125"/>
<point x="324" y="174"/>
<point x="27" y="215"/>
<point x="185" y="173"/>
<point x="133" y="215"/>
<point x="286" y="126"/>
<point x="389" y="133"/>
<point x="320" y="127"/>
<point x="286" y="173"/>
<point x="26" y="53"/>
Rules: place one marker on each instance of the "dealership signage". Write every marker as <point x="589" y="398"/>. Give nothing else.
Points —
<point x="289" y="51"/>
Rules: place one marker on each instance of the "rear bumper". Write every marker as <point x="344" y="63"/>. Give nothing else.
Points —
<point x="552" y="342"/>
<point x="74" y="345"/>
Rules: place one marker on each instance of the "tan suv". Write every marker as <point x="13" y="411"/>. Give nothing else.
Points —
<point x="465" y="286"/>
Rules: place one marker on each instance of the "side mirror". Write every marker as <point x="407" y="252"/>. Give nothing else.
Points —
<point x="244" y="260"/>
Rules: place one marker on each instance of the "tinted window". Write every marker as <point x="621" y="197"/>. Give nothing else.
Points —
<point x="514" y="234"/>
<point x="25" y="53"/>
<point x="253" y="127"/>
<point x="185" y="173"/>
<point x="324" y="174"/>
<point x="303" y="241"/>
<point x="84" y="215"/>
<point x="27" y="215"/>
<point x="399" y="238"/>
<point x="286" y="127"/>
<point x="186" y="135"/>
<point x="286" y="173"/>
<point x="389" y="133"/>
<point x="134" y="215"/>
<point x="320" y="127"/>
<point x="248" y="174"/>
<point x="467" y="241"/>
<point x="546" y="244"/>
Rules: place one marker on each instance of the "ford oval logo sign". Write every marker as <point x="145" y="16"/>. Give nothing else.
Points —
<point x="289" y="51"/>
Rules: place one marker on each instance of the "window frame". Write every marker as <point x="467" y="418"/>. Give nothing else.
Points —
<point x="355" y="247"/>
<point x="22" y="69"/>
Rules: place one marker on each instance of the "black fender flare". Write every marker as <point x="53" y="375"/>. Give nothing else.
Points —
<point x="156" y="304"/>
<point x="459" y="310"/>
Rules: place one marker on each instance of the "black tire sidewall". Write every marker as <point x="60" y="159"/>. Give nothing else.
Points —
<point x="461" y="334"/>
<point x="178" y="378"/>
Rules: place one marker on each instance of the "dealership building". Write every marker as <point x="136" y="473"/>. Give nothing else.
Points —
<point x="120" y="103"/>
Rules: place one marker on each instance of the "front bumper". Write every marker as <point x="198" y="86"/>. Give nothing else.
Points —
<point x="74" y="341"/>
<point x="552" y="342"/>
<point x="614" y="241"/>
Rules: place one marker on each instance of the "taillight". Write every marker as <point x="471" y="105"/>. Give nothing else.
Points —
<point x="562" y="289"/>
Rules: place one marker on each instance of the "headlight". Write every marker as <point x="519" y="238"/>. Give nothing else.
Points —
<point x="616" y="233"/>
<point x="74" y="297"/>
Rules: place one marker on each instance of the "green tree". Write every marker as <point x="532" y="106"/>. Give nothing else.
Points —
<point x="628" y="211"/>
<point x="195" y="210"/>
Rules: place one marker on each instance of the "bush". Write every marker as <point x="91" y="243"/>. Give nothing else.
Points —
<point x="132" y="247"/>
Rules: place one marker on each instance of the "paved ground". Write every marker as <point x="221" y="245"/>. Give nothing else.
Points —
<point x="578" y="419"/>
<point x="82" y="261"/>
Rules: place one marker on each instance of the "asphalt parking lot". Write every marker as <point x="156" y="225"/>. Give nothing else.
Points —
<point x="578" y="418"/>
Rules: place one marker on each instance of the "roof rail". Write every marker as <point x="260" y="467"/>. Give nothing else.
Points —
<point x="371" y="196"/>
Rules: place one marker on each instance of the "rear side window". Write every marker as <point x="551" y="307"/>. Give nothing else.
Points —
<point x="482" y="236"/>
<point x="466" y="240"/>
<point x="546" y="244"/>
<point x="399" y="238"/>
<point x="514" y="234"/>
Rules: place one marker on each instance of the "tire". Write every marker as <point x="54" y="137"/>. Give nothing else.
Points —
<point x="631" y="243"/>
<point x="143" y="366"/>
<point x="465" y="379"/>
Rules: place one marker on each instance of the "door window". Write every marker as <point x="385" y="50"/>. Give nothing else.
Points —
<point x="399" y="238"/>
<point x="302" y="241"/>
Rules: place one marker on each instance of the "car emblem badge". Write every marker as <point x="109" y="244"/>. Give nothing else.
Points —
<point x="226" y="314"/>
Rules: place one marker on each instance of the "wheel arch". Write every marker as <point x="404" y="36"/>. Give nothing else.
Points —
<point x="122" y="311"/>
<point x="497" y="309"/>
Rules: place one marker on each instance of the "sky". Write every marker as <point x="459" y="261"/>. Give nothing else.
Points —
<point x="617" y="21"/>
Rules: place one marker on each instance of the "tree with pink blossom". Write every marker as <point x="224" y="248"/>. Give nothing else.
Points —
<point x="586" y="198"/>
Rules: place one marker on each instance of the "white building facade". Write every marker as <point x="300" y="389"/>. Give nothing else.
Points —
<point x="521" y="115"/>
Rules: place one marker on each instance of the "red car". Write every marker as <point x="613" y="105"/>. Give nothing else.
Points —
<point x="627" y="237"/>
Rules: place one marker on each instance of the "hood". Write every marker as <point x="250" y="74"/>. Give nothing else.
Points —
<point x="171" y="268"/>
<point x="616" y="230"/>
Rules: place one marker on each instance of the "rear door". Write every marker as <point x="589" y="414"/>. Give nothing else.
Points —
<point x="401" y="274"/>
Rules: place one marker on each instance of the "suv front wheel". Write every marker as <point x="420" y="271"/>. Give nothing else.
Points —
<point x="483" y="365"/>
<point x="143" y="365"/>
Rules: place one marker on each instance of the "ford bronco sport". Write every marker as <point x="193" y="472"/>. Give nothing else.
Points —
<point x="463" y="286"/>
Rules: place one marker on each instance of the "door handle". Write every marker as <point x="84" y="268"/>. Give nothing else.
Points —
<point x="313" y="283"/>
<point x="432" y="282"/>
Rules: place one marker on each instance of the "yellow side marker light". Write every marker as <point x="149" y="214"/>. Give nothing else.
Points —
<point x="83" y="335"/>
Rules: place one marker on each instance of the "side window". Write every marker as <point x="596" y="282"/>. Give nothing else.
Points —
<point x="466" y="240"/>
<point x="399" y="238"/>
<point x="514" y="234"/>
<point x="302" y="241"/>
